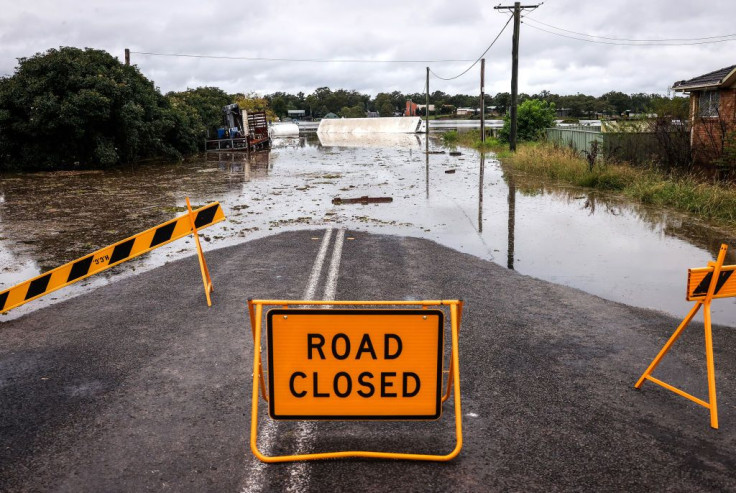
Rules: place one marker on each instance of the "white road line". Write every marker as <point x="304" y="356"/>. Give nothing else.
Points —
<point x="299" y="476"/>
<point x="331" y="282"/>
<point x="317" y="267"/>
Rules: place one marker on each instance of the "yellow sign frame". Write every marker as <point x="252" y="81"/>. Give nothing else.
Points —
<point x="255" y="310"/>
<point x="695" y="284"/>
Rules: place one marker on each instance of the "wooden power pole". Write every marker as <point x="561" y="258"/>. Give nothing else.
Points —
<point x="127" y="56"/>
<point x="517" y="8"/>
<point x="482" y="100"/>
<point x="426" y="111"/>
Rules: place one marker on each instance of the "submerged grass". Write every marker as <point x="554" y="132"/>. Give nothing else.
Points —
<point x="694" y="194"/>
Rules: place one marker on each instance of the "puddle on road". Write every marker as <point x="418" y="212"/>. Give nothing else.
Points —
<point x="600" y="244"/>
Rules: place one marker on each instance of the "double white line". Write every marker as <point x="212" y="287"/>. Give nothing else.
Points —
<point x="299" y="471"/>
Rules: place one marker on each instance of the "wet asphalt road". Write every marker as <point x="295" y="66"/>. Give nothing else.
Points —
<point x="138" y="386"/>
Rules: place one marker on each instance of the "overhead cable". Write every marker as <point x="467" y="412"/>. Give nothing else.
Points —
<point x="304" y="60"/>
<point x="631" y="43"/>
<point x="659" y="40"/>
<point x="479" y="58"/>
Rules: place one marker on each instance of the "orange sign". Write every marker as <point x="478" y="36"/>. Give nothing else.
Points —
<point x="355" y="364"/>
<point x="698" y="282"/>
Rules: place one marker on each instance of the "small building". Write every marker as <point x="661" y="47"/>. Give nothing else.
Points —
<point x="712" y="112"/>
<point x="492" y="111"/>
<point x="467" y="111"/>
<point x="414" y="109"/>
<point x="296" y="114"/>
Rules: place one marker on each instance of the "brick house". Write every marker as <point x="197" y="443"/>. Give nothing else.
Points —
<point x="712" y="112"/>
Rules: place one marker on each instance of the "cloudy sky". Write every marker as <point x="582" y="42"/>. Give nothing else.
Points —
<point x="384" y="30"/>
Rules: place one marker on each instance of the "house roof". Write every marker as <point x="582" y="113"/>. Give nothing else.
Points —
<point x="718" y="78"/>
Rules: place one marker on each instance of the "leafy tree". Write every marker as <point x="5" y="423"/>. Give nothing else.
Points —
<point x="207" y="103"/>
<point x="533" y="116"/>
<point x="502" y="101"/>
<point x="356" y="111"/>
<point x="251" y="102"/>
<point x="72" y="107"/>
<point x="617" y="102"/>
<point x="383" y="104"/>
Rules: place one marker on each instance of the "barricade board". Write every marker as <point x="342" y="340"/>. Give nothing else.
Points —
<point x="355" y="364"/>
<point x="110" y="256"/>
<point x="698" y="281"/>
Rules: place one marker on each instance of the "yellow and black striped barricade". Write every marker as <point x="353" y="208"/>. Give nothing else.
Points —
<point x="117" y="253"/>
<point x="703" y="285"/>
<point x="375" y="362"/>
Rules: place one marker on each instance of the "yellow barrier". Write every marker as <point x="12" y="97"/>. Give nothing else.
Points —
<point x="399" y="377"/>
<point x="117" y="253"/>
<point x="704" y="284"/>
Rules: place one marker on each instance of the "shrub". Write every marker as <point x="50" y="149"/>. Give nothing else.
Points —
<point x="533" y="116"/>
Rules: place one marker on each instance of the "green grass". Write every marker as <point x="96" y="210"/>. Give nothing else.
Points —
<point x="686" y="193"/>
<point x="471" y="138"/>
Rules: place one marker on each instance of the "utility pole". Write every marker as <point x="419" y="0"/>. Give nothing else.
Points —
<point x="426" y="111"/>
<point x="517" y="8"/>
<point x="127" y="56"/>
<point x="482" y="100"/>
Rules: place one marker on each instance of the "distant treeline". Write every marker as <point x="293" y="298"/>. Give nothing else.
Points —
<point x="342" y="102"/>
<point x="70" y="107"/>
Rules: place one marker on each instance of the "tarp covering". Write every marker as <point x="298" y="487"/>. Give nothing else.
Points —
<point x="390" y="125"/>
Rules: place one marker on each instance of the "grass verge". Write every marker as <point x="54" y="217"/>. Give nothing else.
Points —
<point x="713" y="201"/>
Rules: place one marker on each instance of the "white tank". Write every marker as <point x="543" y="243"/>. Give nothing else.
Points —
<point x="284" y="129"/>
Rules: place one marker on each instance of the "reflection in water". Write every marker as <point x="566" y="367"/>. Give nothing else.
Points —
<point x="600" y="244"/>
<point x="426" y="167"/>
<point x="481" y="172"/>
<point x="512" y="220"/>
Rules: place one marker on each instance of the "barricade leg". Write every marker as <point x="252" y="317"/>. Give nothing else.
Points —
<point x="206" y="279"/>
<point x="711" y="369"/>
<point x="669" y="344"/>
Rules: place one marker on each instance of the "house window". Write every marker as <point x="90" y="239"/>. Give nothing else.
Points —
<point x="708" y="104"/>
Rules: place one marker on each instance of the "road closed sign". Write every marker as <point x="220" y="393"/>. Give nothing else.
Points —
<point x="355" y="364"/>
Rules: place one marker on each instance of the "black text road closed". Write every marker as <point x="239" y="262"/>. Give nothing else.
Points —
<point x="355" y="364"/>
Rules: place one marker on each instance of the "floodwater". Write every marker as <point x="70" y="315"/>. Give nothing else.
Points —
<point x="597" y="243"/>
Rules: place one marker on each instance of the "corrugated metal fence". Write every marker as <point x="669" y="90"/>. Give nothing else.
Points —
<point x="579" y="138"/>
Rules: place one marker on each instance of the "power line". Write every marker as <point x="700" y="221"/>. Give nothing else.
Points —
<point x="304" y="60"/>
<point x="629" y="43"/>
<point x="661" y="40"/>
<point x="481" y="55"/>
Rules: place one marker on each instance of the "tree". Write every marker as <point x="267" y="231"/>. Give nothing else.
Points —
<point x="502" y="101"/>
<point x="70" y="107"/>
<point x="252" y="102"/>
<point x="383" y="105"/>
<point x="356" y="111"/>
<point x="207" y="102"/>
<point x="533" y="117"/>
<point x="618" y="102"/>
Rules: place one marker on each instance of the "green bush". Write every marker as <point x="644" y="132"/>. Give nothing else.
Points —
<point x="533" y="116"/>
<point x="70" y="107"/>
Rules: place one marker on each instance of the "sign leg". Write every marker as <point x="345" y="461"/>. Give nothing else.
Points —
<point x="206" y="279"/>
<point x="711" y="369"/>
<point x="669" y="344"/>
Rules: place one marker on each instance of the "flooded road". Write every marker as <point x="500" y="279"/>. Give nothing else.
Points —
<point x="600" y="244"/>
